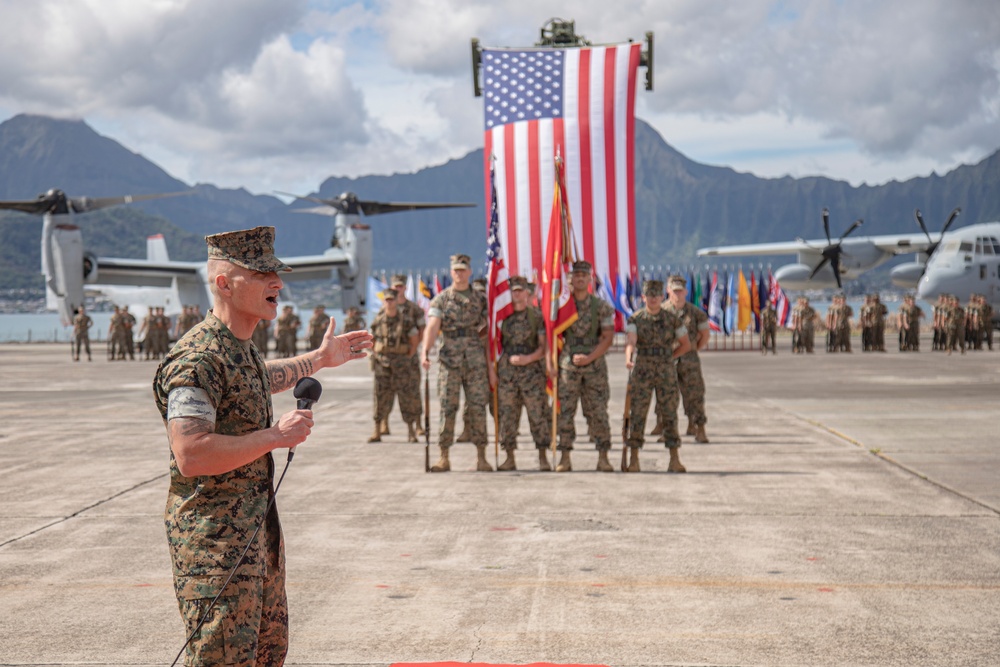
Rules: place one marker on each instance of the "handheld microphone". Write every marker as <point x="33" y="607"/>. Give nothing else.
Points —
<point x="307" y="391"/>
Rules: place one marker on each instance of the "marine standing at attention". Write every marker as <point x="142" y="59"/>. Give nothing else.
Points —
<point x="354" y="321"/>
<point x="81" y="333"/>
<point x="769" y="329"/>
<point x="287" y="331"/>
<point x="458" y="313"/>
<point x="521" y="377"/>
<point x="317" y="326"/>
<point x="395" y="338"/>
<point x="656" y="338"/>
<point x="409" y="377"/>
<point x="689" y="375"/>
<point x="213" y="392"/>
<point x="583" y="371"/>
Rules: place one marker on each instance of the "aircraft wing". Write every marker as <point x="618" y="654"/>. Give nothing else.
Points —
<point x="143" y="273"/>
<point x="315" y="267"/>
<point x="895" y="244"/>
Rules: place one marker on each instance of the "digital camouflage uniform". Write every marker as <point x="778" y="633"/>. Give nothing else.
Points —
<point x="317" y="329"/>
<point x="689" y="376"/>
<point x="879" y="313"/>
<point x="807" y="328"/>
<point x="914" y="313"/>
<point x="288" y="326"/>
<point x="353" y="322"/>
<point x="261" y="336"/>
<point x="209" y="519"/>
<point x="843" y="337"/>
<point x="769" y="329"/>
<point x="409" y="373"/>
<point x="462" y="362"/>
<point x="955" y="319"/>
<point x="81" y="334"/>
<point x="586" y="384"/>
<point x="654" y="372"/>
<point x="523" y="386"/>
<point x="390" y="362"/>
<point x="116" y="336"/>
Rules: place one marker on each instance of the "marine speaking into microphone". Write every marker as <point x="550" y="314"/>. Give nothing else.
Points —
<point x="213" y="391"/>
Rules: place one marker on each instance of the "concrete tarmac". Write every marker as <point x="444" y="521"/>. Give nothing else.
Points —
<point x="846" y="512"/>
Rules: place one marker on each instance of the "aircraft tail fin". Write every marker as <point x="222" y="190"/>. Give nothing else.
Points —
<point x="156" y="248"/>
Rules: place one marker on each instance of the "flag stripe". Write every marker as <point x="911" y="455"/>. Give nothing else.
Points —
<point x="534" y="187"/>
<point x="611" y="170"/>
<point x="629" y="263"/>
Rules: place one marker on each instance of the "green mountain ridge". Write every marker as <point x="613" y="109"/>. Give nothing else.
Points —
<point x="680" y="204"/>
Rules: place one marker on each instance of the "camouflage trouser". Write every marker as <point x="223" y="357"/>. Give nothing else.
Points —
<point x="248" y="625"/>
<point x="913" y="337"/>
<point x="286" y="345"/>
<point x="523" y="386"/>
<point x="767" y="339"/>
<point x="878" y="336"/>
<point x="315" y="340"/>
<point x="659" y="375"/>
<point x="82" y="340"/>
<point x="692" y="386"/>
<point x="588" y="385"/>
<point x="807" y="339"/>
<point x="844" y="339"/>
<point x="956" y="338"/>
<point x="394" y="376"/>
<point x="469" y="375"/>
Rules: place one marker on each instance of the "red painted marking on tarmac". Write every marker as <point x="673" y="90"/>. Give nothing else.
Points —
<point x="598" y="585"/>
<point x="825" y="590"/>
<point x="813" y="559"/>
<point x="487" y="664"/>
<point x="497" y="529"/>
<point x="381" y="586"/>
<point x="143" y="586"/>
<point x="404" y="555"/>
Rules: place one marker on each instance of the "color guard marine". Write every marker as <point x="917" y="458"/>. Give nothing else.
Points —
<point x="656" y="338"/>
<point x="521" y="376"/>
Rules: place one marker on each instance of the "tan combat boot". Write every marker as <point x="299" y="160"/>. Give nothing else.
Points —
<point x="543" y="461"/>
<point x="420" y="431"/>
<point x="675" y="461"/>
<point x="692" y="429"/>
<point x="443" y="464"/>
<point x="376" y="435"/>
<point x="658" y="429"/>
<point x="565" y="464"/>
<point x="482" y="465"/>
<point x="411" y="433"/>
<point x="603" y="464"/>
<point x="385" y="426"/>
<point x="633" y="463"/>
<point x="508" y="463"/>
<point x="700" y="435"/>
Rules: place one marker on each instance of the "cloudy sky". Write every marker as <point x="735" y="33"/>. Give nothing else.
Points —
<point x="279" y="95"/>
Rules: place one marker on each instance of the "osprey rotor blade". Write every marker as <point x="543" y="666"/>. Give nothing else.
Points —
<point x="920" y="221"/>
<point x="826" y="224"/>
<point x="84" y="204"/>
<point x="857" y="223"/>
<point x="951" y="219"/>
<point x="819" y="267"/>
<point x="337" y="203"/>
<point x="377" y="208"/>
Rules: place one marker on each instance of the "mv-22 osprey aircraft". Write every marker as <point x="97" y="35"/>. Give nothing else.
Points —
<point x="69" y="269"/>
<point x="962" y="262"/>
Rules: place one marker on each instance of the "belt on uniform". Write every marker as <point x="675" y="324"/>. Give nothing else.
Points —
<point x="459" y="333"/>
<point x="654" y="352"/>
<point x="519" y="349"/>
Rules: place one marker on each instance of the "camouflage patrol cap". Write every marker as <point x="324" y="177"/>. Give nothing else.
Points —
<point x="518" y="283"/>
<point x="460" y="261"/>
<point x="398" y="279"/>
<point x="582" y="267"/>
<point x="250" y="248"/>
<point x="652" y="288"/>
<point x="479" y="284"/>
<point x="677" y="282"/>
<point x="388" y="295"/>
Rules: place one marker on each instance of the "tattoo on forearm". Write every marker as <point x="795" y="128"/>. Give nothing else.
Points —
<point x="284" y="373"/>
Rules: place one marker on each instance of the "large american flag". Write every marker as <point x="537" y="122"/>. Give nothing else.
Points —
<point x="578" y="103"/>
<point x="498" y="300"/>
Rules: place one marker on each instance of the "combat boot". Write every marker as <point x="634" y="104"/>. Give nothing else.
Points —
<point x="675" y="461"/>
<point x="658" y="429"/>
<point x="565" y="464"/>
<point x="411" y="433"/>
<point x="385" y="427"/>
<point x="376" y="434"/>
<point x="700" y="435"/>
<point x="692" y="429"/>
<point x="482" y="465"/>
<point x="508" y="463"/>
<point x="420" y="430"/>
<point x="633" y="464"/>
<point x="603" y="464"/>
<point x="443" y="464"/>
<point x="543" y="461"/>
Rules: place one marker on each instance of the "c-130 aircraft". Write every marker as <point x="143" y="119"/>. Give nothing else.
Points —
<point x="69" y="269"/>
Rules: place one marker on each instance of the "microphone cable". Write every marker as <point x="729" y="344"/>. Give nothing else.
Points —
<point x="239" y="562"/>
